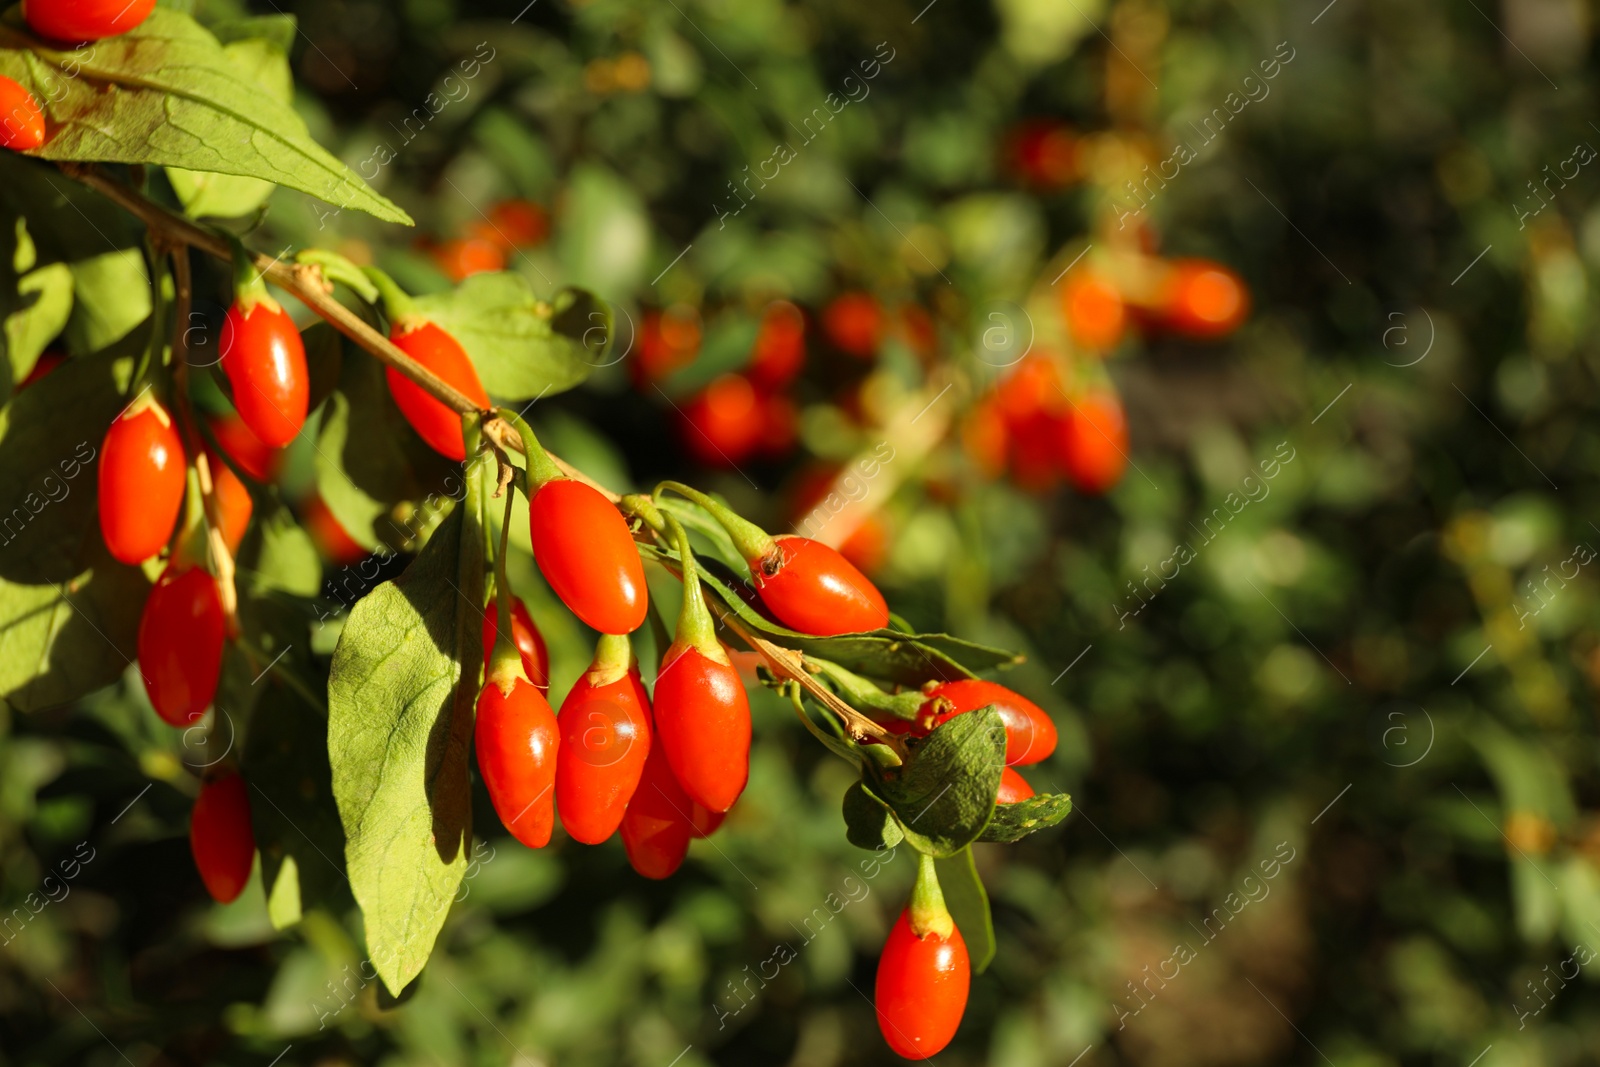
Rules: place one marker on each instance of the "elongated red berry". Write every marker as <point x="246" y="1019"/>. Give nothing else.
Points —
<point x="1092" y="442"/>
<point x="265" y="362"/>
<point x="73" y="21"/>
<point x="181" y="634"/>
<point x="233" y="501"/>
<point x="921" y="989"/>
<point x="253" y="457"/>
<point x="517" y="738"/>
<point x="656" y="829"/>
<point x="220" y="836"/>
<point x="584" y="550"/>
<point x="525" y="635"/>
<point x="703" y="822"/>
<point x="436" y="422"/>
<point x="703" y="724"/>
<point x="21" y="121"/>
<point x="1013" y="787"/>
<point x="141" y="481"/>
<point x="1030" y="733"/>
<point x="605" y="740"/>
<point x="811" y="588"/>
<point x="47" y="362"/>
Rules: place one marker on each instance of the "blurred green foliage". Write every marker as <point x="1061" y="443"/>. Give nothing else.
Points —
<point x="1368" y="671"/>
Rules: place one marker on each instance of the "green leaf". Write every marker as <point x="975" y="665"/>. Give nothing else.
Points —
<point x="167" y="93"/>
<point x="1013" y="822"/>
<point x="113" y="298"/>
<point x="944" y="796"/>
<point x="399" y="736"/>
<point x="62" y="640"/>
<point x="968" y="902"/>
<point x="278" y="554"/>
<point x="276" y="30"/>
<point x="292" y="811"/>
<point x="604" y="233"/>
<point x="868" y="822"/>
<point x="34" y="305"/>
<point x="227" y="196"/>
<point x="513" y="338"/>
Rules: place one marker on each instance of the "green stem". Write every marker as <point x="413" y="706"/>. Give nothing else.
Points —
<point x="397" y="304"/>
<point x="928" y="913"/>
<point x="696" y="628"/>
<point x="613" y="658"/>
<point x="752" y="542"/>
<point x="249" y="284"/>
<point x="540" y="467"/>
<point x="644" y="508"/>
<point x="505" y="662"/>
<point x="339" y="270"/>
<point x="863" y="694"/>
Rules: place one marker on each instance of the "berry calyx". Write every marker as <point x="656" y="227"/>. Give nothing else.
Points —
<point x="75" y="21"/>
<point x="524" y="635"/>
<point x="221" y="838"/>
<point x="656" y="827"/>
<point x="605" y="741"/>
<point x="181" y="634"/>
<point x="702" y="712"/>
<point x="141" y="481"/>
<point x="1013" y="788"/>
<point x="1030" y="732"/>
<point x="265" y="361"/>
<point x="924" y="974"/>
<point x="21" y="120"/>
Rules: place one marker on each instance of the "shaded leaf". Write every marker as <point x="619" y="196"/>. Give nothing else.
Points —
<point x="944" y="796"/>
<point x="868" y="822"/>
<point x="166" y="93"/>
<point x="113" y="298"/>
<point x="968" y="902"/>
<point x="1013" y="822"/>
<point x="399" y="733"/>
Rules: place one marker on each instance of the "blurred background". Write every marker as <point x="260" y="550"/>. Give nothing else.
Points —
<point x="1233" y="361"/>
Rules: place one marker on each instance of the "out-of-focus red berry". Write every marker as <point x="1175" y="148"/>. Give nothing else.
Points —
<point x="780" y="348"/>
<point x="1094" y="311"/>
<point x="1204" y="299"/>
<point x="723" y="424"/>
<point x="1043" y="152"/>
<point x="463" y="257"/>
<point x="854" y="323"/>
<point x="668" y="341"/>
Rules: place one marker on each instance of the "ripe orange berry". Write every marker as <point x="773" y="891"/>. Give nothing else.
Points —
<point x="75" y="21"/>
<point x="1204" y="299"/>
<point x="780" y="348"/>
<point x="141" y="481"/>
<point x="221" y="838"/>
<point x="21" y="121"/>
<point x="1093" y="442"/>
<point x="854" y="323"/>
<point x="1093" y="308"/>
<point x="436" y="422"/>
<point x="722" y="426"/>
<point x="463" y="257"/>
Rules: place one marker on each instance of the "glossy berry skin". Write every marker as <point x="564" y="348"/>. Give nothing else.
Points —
<point x="256" y="459"/>
<point x="605" y="741"/>
<point x="921" y="990"/>
<point x="656" y="828"/>
<point x="703" y="822"/>
<point x="815" y="590"/>
<point x="724" y="424"/>
<point x="220" y="836"/>
<point x="233" y="501"/>
<point x="180" y="643"/>
<point x="584" y="550"/>
<point x="1092" y="443"/>
<point x="21" y="121"/>
<point x="435" y="422"/>
<point x="517" y="737"/>
<point x="141" y="483"/>
<point x="1030" y="733"/>
<point x="1013" y="787"/>
<point x="525" y="635"/>
<point x="265" y="362"/>
<point x="703" y="725"/>
<point x="333" y="541"/>
<point x="72" y="21"/>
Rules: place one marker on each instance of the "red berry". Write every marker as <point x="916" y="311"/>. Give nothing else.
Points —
<point x="723" y="424"/>
<point x="436" y="422"/>
<point x="668" y="341"/>
<point x="517" y="738"/>
<point x="525" y="635"/>
<point x="1092" y="442"/>
<point x="584" y="550"/>
<point x="703" y="725"/>
<point x="46" y="363"/>
<point x="220" y="836"/>
<point x="332" y="539"/>
<point x="180" y="643"/>
<point x="780" y="425"/>
<point x="265" y="362"/>
<point x="21" y="121"/>
<point x="656" y="828"/>
<point x="780" y="348"/>
<point x="854" y="323"/>
<point x="921" y="990"/>
<point x="515" y="224"/>
<point x="1093" y="308"/>
<point x="815" y="590"/>
<point x="1030" y="733"/>
<point x="1204" y="299"/>
<point x="605" y="740"/>
<point x="72" y="21"/>
<point x="233" y="501"/>
<point x="1013" y="788"/>
<point x="465" y="256"/>
<point x="703" y="822"/>
<point x="1044" y="152"/>
<point x="141" y="481"/>
<point x="258" y="460"/>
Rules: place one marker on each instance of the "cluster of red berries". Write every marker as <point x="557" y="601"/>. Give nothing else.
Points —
<point x="69" y="22"/>
<point x="488" y="244"/>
